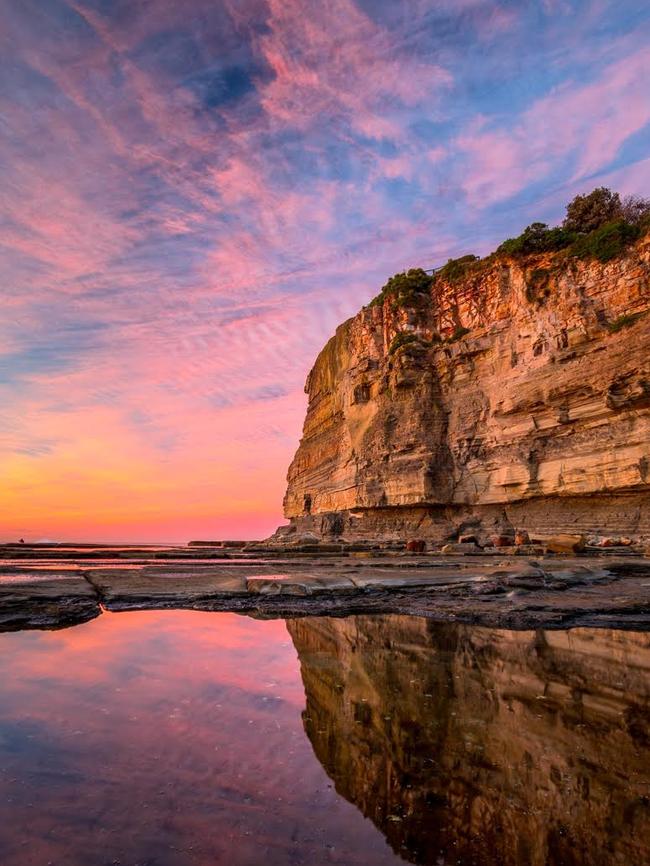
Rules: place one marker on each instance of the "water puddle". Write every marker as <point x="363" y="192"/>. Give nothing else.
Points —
<point x="166" y="738"/>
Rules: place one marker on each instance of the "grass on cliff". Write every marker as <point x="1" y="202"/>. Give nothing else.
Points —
<point x="456" y="269"/>
<point x="623" y="321"/>
<point x="406" y="338"/>
<point x="604" y="243"/>
<point x="401" y="339"/>
<point x="607" y="242"/>
<point x="537" y="238"/>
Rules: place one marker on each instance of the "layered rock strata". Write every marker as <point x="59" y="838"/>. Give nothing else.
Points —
<point x="479" y="746"/>
<point x="517" y="396"/>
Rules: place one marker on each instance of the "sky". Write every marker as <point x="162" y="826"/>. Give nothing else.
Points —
<point x="193" y="195"/>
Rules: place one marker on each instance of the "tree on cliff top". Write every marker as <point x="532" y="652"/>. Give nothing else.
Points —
<point x="537" y="238"/>
<point x="636" y="210"/>
<point x="586" y="213"/>
<point x="405" y="289"/>
<point x="597" y="225"/>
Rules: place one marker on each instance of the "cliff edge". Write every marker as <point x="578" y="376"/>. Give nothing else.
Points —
<point x="507" y="393"/>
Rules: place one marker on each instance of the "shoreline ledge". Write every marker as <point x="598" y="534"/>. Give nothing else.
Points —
<point x="514" y="592"/>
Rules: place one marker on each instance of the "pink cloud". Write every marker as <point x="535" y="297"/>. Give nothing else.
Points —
<point x="362" y="79"/>
<point x="214" y="259"/>
<point x="586" y="123"/>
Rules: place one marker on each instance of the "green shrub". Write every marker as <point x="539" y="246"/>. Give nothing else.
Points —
<point x="403" y="338"/>
<point x="623" y="322"/>
<point x="406" y="289"/>
<point x="458" y="334"/>
<point x="606" y="242"/>
<point x="456" y="268"/>
<point x="537" y="238"/>
<point x="407" y="338"/>
<point x="586" y="213"/>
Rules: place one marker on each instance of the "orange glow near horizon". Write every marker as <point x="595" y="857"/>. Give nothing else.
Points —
<point x="195" y="195"/>
<point x="88" y="491"/>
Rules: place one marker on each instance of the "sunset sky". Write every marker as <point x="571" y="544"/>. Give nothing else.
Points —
<point x="194" y="194"/>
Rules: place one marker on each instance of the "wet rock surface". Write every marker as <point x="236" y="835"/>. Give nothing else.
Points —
<point x="45" y="599"/>
<point x="41" y="590"/>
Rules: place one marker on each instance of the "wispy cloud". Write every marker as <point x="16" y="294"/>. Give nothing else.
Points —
<point x="194" y="195"/>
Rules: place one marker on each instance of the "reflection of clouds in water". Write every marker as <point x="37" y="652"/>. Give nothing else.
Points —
<point x="164" y="737"/>
<point x="144" y="733"/>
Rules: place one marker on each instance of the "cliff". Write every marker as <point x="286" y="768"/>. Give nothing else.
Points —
<point x="480" y="746"/>
<point x="515" y="393"/>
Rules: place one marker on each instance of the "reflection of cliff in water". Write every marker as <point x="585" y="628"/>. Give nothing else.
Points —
<point x="478" y="746"/>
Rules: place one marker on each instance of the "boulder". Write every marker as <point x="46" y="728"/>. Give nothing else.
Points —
<point x="457" y="547"/>
<point x="467" y="539"/>
<point x="609" y="542"/>
<point x="304" y="538"/>
<point x="522" y="537"/>
<point x="416" y="545"/>
<point x="501" y="540"/>
<point x="566" y="544"/>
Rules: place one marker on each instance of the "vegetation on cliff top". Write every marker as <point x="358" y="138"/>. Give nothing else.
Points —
<point x="599" y="226"/>
<point x="406" y="289"/>
<point x="456" y="269"/>
<point x="537" y="238"/>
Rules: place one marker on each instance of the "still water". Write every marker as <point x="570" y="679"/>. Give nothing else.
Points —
<point x="176" y="738"/>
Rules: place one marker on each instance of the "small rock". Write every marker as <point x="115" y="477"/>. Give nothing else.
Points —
<point x="416" y="545"/>
<point x="467" y="539"/>
<point x="522" y="537"/>
<point x="530" y="550"/>
<point x="626" y="542"/>
<point x="609" y="542"/>
<point x="460" y="548"/>
<point x="304" y="538"/>
<point x="501" y="540"/>
<point x="566" y="544"/>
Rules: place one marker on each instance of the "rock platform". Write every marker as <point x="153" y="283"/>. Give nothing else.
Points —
<point x="57" y="587"/>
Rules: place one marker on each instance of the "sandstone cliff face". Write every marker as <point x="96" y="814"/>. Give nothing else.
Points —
<point x="480" y="746"/>
<point x="524" y="400"/>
